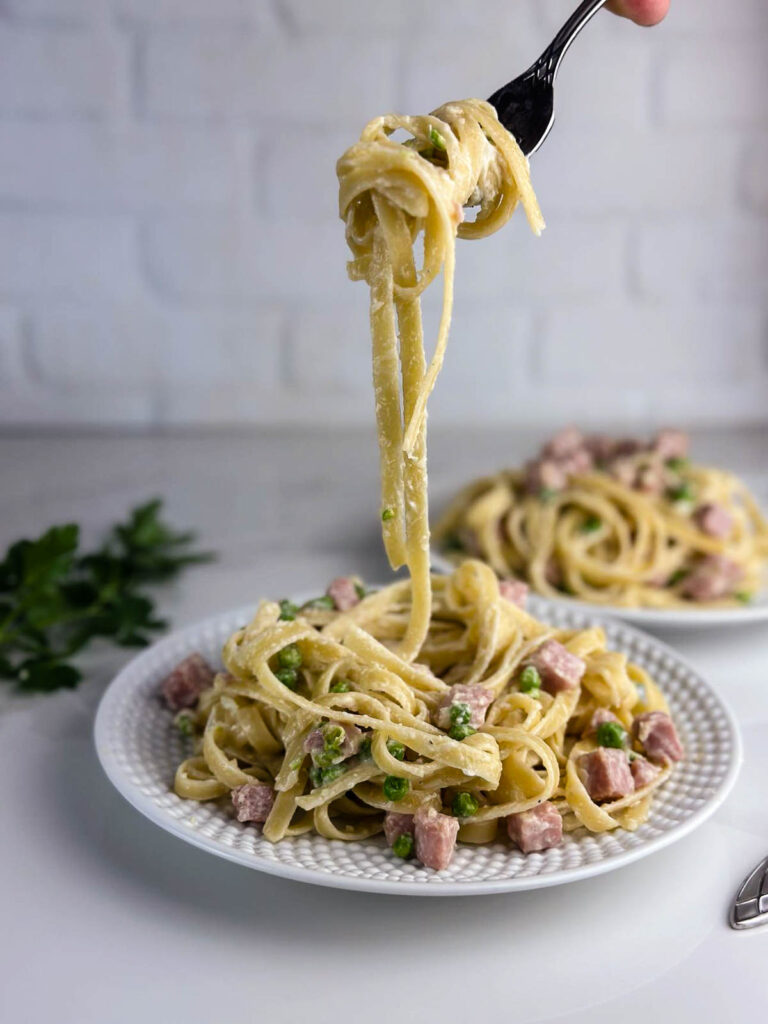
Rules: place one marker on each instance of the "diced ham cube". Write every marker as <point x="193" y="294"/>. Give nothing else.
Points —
<point x="186" y="682"/>
<point x="629" y="446"/>
<point x="558" y="668"/>
<point x="435" y="836"/>
<point x="713" y="520"/>
<point x="656" y="733"/>
<point x="253" y="801"/>
<point x="563" y="444"/>
<point x="624" y="470"/>
<point x="713" y="577"/>
<point x="577" y="462"/>
<point x="396" y="825"/>
<point x="544" y="475"/>
<point x="344" y="593"/>
<point x="643" y="772"/>
<point x="651" y="479"/>
<point x="475" y="696"/>
<point x="515" y="591"/>
<point x="537" y="829"/>
<point x="315" y="742"/>
<point x="599" y="717"/>
<point x="671" y="444"/>
<point x="606" y="774"/>
<point x="602" y="447"/>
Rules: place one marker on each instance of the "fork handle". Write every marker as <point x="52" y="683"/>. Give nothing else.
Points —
<point x="548" y="63"/>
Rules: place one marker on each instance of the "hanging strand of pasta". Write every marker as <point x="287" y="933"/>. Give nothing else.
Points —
<point x="389" y="195"/>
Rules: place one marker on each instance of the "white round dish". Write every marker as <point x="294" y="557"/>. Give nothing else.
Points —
<point x="139" y="749"/>
<point x="650" y="618"/>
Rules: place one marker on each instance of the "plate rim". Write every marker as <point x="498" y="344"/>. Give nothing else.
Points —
<point x="673" y="618"/>
<point x="146" y="806"/>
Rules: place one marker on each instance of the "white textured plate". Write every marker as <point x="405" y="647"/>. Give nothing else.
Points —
<point x="652" y="618"/>
<point x="139" y="749"/>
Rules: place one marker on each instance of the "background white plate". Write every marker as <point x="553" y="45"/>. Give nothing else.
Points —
<point x="653" y="618"/>
<point x="139" y="749"/>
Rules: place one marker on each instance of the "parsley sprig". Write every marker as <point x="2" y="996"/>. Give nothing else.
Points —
<point x="54" y="599"/>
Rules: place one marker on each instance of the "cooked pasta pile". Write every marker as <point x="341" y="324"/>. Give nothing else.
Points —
<point x="436" y="706"/>
<point x="390" y="193"/>
<point x="618" y="522"/>
<point x="526" y="751"/>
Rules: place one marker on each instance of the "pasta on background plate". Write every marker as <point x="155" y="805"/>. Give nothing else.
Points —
<point x="615" y="521"/>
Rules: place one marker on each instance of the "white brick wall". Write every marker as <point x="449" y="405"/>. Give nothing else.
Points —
<point x="169" y="244"/>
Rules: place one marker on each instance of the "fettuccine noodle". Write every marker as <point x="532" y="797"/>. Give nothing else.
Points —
<point x="255" y="728"/>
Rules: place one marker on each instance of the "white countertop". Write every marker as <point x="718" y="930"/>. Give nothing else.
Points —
<point x="107" y="919"/>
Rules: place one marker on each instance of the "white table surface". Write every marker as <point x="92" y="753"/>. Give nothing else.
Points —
<point x="108" y="919"/>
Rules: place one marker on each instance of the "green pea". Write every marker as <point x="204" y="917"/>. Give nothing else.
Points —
<point x="360" y="591"/>
<point x="460" y="713"/>
<point x="677" y="463"/>
<point x="677" y="577"/>
<point x="745" y="596"/>
<point x="340" y="686"/>
<point x="403" y="846"/>
<point x="460" y="732"/>
<point x="364" y="753"/>
<point x="682" y="492"/>
<point x="184" y="723"/>
<point x="591" y="524"/>
<point x="320" y="776"/>
<point x="397" y="750"/>
<point x="290" y="657"/>
<point x="611" y="734"/>
<point x="288" y="610"/>
<point x="464" y="805"/>
<point x="395" y="788"/>
<point x="387" y="514"/>
<point x="288" y="677"/>
<point x="530" y="679"/>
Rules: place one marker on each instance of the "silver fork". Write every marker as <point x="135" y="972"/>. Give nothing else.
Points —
<point x="526" y="105"/>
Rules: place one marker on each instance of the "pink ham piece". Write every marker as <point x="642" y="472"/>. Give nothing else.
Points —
<point x="515" y="591"/>
<point x="186" y="682"/>
<point x="476" y="697"/>
<point x="435" y="836"/>
<point x="606" y="774"/>
<point x="253" y="801"/>
<point x="344" y="593"/>
<point x="651" y="480"/>
<point x="713" y="520"/>
<point x="656" y="733"/>
<point x="566" y="442"/>
<point x="671" y="444"/>
<point x="599" y="717"/>
<point x="396" y="825"/>
<point x="558" y="668"/>
<point x="350" y="745"/>
<point x="643" y="772"/>
<point x="544" y="475"/>
<point x="624" y="470"/>
<point x="536" y="829"/>
<point x="577" y="462"/>
<point x="553" y="574"/>
<point x="713" y="577"/>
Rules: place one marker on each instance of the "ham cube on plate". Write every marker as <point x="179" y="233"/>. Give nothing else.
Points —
<point x="536" y="829"/>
